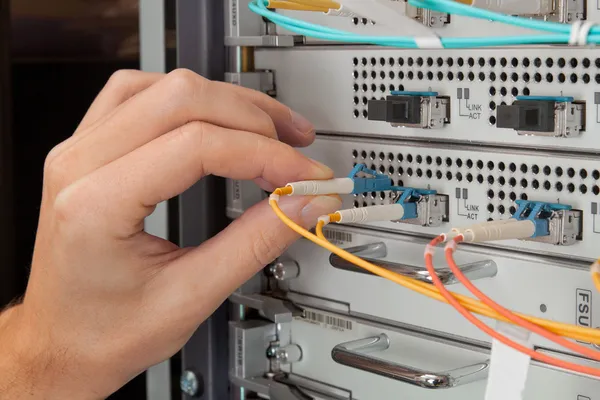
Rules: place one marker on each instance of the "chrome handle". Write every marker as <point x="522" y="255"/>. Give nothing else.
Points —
<point x="353" y="354"/>
<point x="372" y="253"/>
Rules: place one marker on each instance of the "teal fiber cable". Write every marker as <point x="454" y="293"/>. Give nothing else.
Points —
<point x="325" y="33"/>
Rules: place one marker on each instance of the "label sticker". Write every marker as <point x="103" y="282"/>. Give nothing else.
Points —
<point x="583" y="310"/>
<point x="326" y="321"/>
<point x="338" y="237"/>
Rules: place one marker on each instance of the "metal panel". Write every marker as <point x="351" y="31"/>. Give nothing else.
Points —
<point x="200" y="47"/>
<point x="490" y="179"/>
<point x="516" y="286"/>
<point x="355" y="75"/>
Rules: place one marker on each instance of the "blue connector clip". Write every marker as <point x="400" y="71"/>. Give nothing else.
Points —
<point x="539" y="213"/>
<point x="557" y="99"/>
<point x="372" y="182"/>
<point x="409" y="199"/>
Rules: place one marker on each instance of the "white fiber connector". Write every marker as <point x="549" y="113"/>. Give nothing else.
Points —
<point x="389" y="212"/>
<point x="314" y="188"/>
<point x="458" y="231"/>
<point x="492" y="232"/>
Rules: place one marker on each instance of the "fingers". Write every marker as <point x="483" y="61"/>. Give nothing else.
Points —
<point x="292" y="128"/>
<point x="121" y="86"/>
<point x="126" y="190"/>
<point x="179" y="98"/>
<point x="241" y="250"/>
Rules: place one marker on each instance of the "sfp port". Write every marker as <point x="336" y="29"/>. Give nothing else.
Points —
<point x="422" y="207"/>
<point x="425" y="110"/>
<point x="543" y="116"/>
<point x="556" y="224"/>
<point x="564" y="11"/>
<point x="430" y="18"/>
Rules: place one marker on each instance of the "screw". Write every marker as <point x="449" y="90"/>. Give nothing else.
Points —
<point x="189" y="383"/>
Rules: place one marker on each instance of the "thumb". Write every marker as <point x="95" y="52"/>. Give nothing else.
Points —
<point x="226" y="261"/>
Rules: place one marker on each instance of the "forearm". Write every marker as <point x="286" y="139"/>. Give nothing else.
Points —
<point x="29" y="367"/>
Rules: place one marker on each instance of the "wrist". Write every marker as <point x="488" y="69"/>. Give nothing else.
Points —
<point x="32" y="366"/>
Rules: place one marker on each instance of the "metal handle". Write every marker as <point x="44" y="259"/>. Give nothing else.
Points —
<point x="372" y="253"/>
<point x="353" y="354"/>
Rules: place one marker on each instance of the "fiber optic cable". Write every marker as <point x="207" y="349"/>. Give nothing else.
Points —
<point x="288" y="5"/>
<point x="567" y="330"/>
<point x="451" y="298"/>
<point x="515" y="319"/>
<point x="326" y="33"/>
<point x="595" y="270"/>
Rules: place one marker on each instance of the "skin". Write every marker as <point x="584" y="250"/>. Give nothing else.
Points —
<point x="105" y="300"/>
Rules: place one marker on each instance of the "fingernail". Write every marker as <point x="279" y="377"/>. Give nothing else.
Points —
<point x="321" y="171"/>
<point x="317" y="207"/>
<point x="302" y="124"/>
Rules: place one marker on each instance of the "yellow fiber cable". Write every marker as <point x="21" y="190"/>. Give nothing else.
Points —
<point x="596" y="279"/>
<point x="567" y="330"/>
<point x="318" y="3"/>
<point x="287" y="5"/>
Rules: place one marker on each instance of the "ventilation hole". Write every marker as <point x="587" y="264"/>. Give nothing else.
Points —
<point x="490" y="165"/>
<point x="382" y="61"/>
<point x="356" y="100"/>
<point x="512" y="167"/>
<point x="597" y="78"/>
<point x="356" y="87"/>
<point x="382" y="196"/>
<point x="355" y="74"/>
<point x="596" y="190"/>
<point x="535" y="184"/>
<point x="382" y="74"/>
<point x="460" y="76"/>
<point x="450" y="75"/>
<point x="547" y="170"/>
<point x="561" y="62"/>
<point x="429" y="160"/>
<point x="492" y="76"/>
<point x="391" y="170"/>
<point x="365" y="88"/>
<point x="409" y="172"/>
<point x="571" y="172"/>
<point x="363" y="154"/>
<point x="409" y="158"/>
<point x="381" y="156"/>
<point x="571" y="188"/>
<point x="515" y="92"/>
<point x="492" y="62"/>
<point x="501" y="195"/>
<point x="512" y="182"/>
<point x="501" y="166"/>
<point x="573" y="78"/>
<point x="450" y="61"/>
<point x="419" y="172"/>
<point x="439" y="174"/>
<point x="430" y="61"/>
<point x="401" y="75"/>
<point x="596" y="174"/>
<point x="514" y="62"/>
<point x="490" y="208"/>
<point x="382" y="88"/>
<point x="459" y="177"/>
<point x="492" y="105"/>
<point x="479" y="164"/>
<point x="549" y="78"/>
<point x="526" y="77"/>
<point x="512" y="196"/>
<point x="501" y="209"/>
<point x="503" y="91"/>
<point x="535" y="169"/>
<point x="524" y="196"/>
<point x="586" y="63"/>
<point x="459" y="162"/>
<point x="524" y="183"/>
<point x="469" y="178"/>
<point x="400" y="171"/>
<point x="391" y="61"/>
<point x="410" y="61"/>
<point x="373" y="87"/>
<point x="490" y="194"/>
<point x="460" y="61"/>
<point x="558" y="171"/>
<point x="573" y="63"/>
<point x="549" y="62"/>
<point x="558" y="186"/>
<point x="392" y="88"/>
<point x="583" y="189"/>
<point x="429" y="173"/>
<point x="503" y="62"/>
<point x="490" y="179"/>
<point x="524" y="168"/>
<point x="481" y="76"/>
<point x="400" y="61"/>
<point x="440" y="61"/>
<point x="537" y="62"/>
<point x="512" y="210"/>
<point x="440" y="76"/>
<point x="419" y="159"/>
<point x="438" y="160"/>
<point x="449" y="175"/>
<point x="382" y="169"/>
<point x="501" y="181"/>
<point x="537" y="77"/>
<point x="514" y="77"/>
<point x="469" y="163"/>
<point x="583" y="174"/>
<point x="365" y="204"/>
<point x="586" y="78"/>
<point x="448" y="162"/>
<point x="420" y="75"/>
<point x="480" y="178"/>
<point x="547" y="185"/>
<point x="503" y="77"/>
<point x="365" y="114"/>
<point x="356" y="114"/>
<point x="430" y="75"/>
<point x="492" y="91"/>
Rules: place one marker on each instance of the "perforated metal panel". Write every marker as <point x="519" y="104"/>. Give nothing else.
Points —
<point x="477" y="81"/>
<point x="482" y="183"/>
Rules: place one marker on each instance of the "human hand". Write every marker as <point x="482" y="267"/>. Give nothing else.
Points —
<point x="105" y="300"/>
